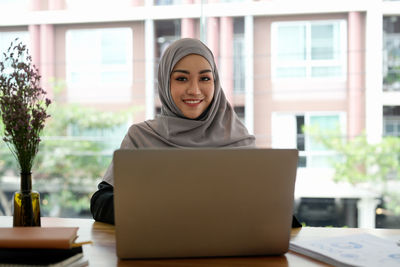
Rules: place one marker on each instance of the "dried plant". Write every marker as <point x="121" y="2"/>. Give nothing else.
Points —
<point x="22" y="104"/>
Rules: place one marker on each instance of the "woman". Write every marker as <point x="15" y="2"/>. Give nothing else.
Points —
<point x="194" y="113"/>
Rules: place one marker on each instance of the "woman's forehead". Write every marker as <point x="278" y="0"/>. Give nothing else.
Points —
<point x="192" y="60"/>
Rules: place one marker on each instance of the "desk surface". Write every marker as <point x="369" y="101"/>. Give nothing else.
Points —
<point x="102" y="252"/>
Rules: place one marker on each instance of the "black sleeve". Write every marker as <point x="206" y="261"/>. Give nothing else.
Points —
<point x="102" y="203"/>
<point x="295" y="223"/>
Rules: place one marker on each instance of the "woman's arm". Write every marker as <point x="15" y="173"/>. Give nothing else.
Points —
<point x="102" y="203"/>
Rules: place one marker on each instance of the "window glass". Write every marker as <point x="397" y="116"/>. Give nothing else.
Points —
<point x="391" y="120"/>
<point x="319" y="155"/>
<point x="238" y="67"/>
<point x="167" y="2"/>
<point x="113" y="44"/>
<point x="391" y="53"/>
<point x="99" y="60"/>
<point x="322" y="43"/>
<point x="239" y="110"/>
<point x="291" y="43"/>
<point x="238" y="56"/>
<point x="391" y="126"/>
<point x="309" y="49"/>
<point x="300" y="140"/>
<point x="325" y="124"/>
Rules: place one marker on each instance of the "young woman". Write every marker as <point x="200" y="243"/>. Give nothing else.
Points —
<point x="194" y="113"/>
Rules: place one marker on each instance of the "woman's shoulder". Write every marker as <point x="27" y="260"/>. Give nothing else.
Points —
<point x="142" y="133"/>
<point x="138" y="127"/>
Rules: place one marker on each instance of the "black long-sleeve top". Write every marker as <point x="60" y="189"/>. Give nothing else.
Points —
<point x="102" y="205"/>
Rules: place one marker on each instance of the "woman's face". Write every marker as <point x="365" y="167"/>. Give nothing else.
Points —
<point x="192" y="85"/>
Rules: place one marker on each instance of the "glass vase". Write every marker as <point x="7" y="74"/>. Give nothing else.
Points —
<point x="26" y="204"/>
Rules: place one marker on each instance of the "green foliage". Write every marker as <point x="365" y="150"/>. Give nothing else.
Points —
<point x="362" y="162"/>
<point x="72" y="160"/>
<point x="74" y="157"/>
<point x="70" y="200"/>
<point x="392" y="200"/>
<point x="392" y="76"/>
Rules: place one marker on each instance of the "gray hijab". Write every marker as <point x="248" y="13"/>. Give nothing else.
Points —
<point x="218" y="126"/>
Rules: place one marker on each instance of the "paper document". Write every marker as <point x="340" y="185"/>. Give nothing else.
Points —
<point x="351" y="250"/>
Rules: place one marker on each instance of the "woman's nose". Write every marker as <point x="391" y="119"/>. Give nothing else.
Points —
<point x="194" y="88"/>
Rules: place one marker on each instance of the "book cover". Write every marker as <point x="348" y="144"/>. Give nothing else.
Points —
<point x="39" y="237"/>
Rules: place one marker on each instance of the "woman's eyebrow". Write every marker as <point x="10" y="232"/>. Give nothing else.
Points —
<point x="204" y="71"/>
<point x="187" y="72"/>
<point x="183" y="71"/>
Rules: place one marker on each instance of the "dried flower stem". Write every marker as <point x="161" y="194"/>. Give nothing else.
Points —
<point x="22" y="105"/>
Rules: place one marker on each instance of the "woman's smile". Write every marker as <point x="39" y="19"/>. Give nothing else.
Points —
<point x="192" y="102"/>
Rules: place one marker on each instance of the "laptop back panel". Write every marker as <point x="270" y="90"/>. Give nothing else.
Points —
<point x="203" y="202"/>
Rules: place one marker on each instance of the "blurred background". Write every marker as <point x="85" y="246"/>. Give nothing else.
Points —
<point x="317" y="75"/>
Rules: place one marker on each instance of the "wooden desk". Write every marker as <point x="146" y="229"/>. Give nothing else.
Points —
<point x="102" y="252"/>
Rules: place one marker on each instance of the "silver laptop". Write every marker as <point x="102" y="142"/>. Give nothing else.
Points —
<point x="172" y="203"/>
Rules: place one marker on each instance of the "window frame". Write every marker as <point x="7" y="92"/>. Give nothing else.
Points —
<point x="309" y="63"/>
<point x="292" y="139"/>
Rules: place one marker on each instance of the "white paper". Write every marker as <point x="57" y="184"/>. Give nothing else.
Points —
<point x="351" y="250"/>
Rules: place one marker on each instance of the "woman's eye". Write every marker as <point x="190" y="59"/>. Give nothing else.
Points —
<point x="205" y="78"/>
<point x="181" y="79"/>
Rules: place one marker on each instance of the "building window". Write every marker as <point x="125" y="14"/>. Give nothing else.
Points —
<point x="238" y="56"/>
<point x="239" y="110"/>
<point x="391" y="53"/>
<point x="288" y="132"/>
<point x="99" y="64"/>
<point x="309" y="49"/>
<point x="166" y="31"/>
<point x="167" y="2"/>
<point x="391" y="120"/>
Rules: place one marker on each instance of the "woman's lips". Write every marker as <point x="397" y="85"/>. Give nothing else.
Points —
<point x="192" y="102"/>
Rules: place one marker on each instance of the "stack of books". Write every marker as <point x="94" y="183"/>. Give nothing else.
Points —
<point x="41" y="246"/>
